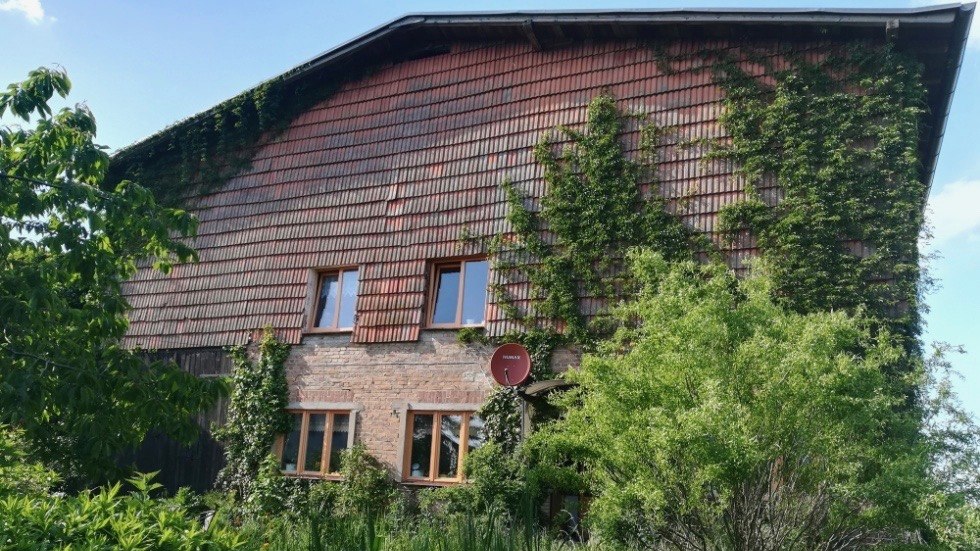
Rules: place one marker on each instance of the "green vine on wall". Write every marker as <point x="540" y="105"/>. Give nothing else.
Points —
<point x="256" y="414"/>
<point x="200" y="155"/>
<point x="839" y="137"/>
<point x="501" y="414"/>
<point x="599" y="203"/>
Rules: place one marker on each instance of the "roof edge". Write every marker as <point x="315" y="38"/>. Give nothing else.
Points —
<point x="957" y="15"/>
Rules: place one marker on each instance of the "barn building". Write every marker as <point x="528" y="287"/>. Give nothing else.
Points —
<point x="343" y="232"/>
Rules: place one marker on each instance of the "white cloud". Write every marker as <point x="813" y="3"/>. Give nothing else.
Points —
<point x="31" y="9"/>
<point x="955" y="210"/>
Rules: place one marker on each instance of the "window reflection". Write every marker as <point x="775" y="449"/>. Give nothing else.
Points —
<point x="438" y="444"/>
<point x="449" y="445"/>
<point x="290" y="448"/>
<point x="314" y="442"/>
<point x="447" y="295"/>
<point x="421" y="446"/>
<point x="474" y="292"/>
<point x="336" y="303"/>
<point x="348" y="298"/>
<point x="327" y="303"/>
<point x="476" y="436"/>
<point x="338" y="440"/>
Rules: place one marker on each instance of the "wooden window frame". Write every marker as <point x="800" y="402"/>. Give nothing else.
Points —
<point x="316" y="286"/>
<point x="327" y="442"/>
<point x="464" y="447"/>
<point x="430" y="308"/>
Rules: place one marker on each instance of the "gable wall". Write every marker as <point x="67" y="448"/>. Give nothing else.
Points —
<point x="388" y="172"/>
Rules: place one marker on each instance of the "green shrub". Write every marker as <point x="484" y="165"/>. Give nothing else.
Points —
<point x="18" y="476"/>
<point x="272" y="493"/>
<point x="107" y="520"/>
<point x="365" y="487"/>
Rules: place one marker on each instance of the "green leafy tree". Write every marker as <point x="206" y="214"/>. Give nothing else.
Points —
<point x="716" y="418"/>
<point x="68" y="241"/>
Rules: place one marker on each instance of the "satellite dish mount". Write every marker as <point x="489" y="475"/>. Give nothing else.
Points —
<point x="510" y="365"/>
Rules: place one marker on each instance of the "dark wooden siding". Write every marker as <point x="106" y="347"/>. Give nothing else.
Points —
<point x="195" y="465"/>
<point x="392" y="169"/>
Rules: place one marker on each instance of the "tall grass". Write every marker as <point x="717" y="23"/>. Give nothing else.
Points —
<point x="462" y="532"/>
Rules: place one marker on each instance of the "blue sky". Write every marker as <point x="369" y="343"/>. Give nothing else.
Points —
<point x="143" y="65"/>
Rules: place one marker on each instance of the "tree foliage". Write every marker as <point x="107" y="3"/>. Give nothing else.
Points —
<point x="67" y="244"/>
<point x="716" y="418"/>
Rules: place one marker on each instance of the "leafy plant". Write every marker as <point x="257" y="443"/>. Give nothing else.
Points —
<point x="18" y="474"/>
<point x="839" y="137"/>
<point x="68" y="241"/>
<point x="572" y="244"/>
<point x="256" y="415"/>
<point x="716" y="418"/>
<point x="107" y="520"/>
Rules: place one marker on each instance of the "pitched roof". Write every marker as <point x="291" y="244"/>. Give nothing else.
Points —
<point x="915" y="30"/>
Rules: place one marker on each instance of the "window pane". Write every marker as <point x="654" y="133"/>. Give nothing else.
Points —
<point x="449" y="446"/>
<point x="475" y="292"/>
<point x="290" y="447"/>
<point x="476" y="436"/>
<point x="447" y="294"/>
<point x="338" y="440"/>
<point x="348" y="298"/>
<point x="327" y="303"/>
<point x="421" y="446"/>
<point x="314" y="442"/>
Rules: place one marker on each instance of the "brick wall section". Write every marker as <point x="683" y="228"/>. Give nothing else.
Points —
<point x="384" y="379"/>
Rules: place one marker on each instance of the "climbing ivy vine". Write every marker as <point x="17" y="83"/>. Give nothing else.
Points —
<point x="501" y="414"/>
<point x="599" y="203"/>
<point x="220" y="143"/>
<point x="256" y="414"/>
<point x="839" y="137"/>
<point x="827" y="151"/>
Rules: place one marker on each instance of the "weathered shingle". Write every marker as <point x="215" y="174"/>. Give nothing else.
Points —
<point x="390" y="171"/>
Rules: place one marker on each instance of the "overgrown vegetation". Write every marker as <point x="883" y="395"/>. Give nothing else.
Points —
<point x="256" y="415"/>
<point x="197" y="158"/>
<point x="716" y="419"/>
<point x="67" y="243"/>
<point x="710" y="413"/>
<point x="571" y="245"/>
<point x="839" y="137"/>
<point x="32" y="517"/>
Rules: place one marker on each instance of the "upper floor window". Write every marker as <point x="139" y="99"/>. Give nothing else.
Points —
<point x="458" y="293"/>
<point x="314" y="442"/>
<point x="336" y="295"/>
<point x="437" y="443"/>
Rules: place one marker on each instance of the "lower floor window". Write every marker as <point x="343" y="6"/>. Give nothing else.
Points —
<point x="437" y="443"/>
<point x="314" y="442"/>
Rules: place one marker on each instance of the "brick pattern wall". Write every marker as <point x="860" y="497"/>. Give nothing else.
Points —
<point x="385" y="379"/>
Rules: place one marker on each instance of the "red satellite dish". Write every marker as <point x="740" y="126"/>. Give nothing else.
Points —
<point x="510" y="364"/>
